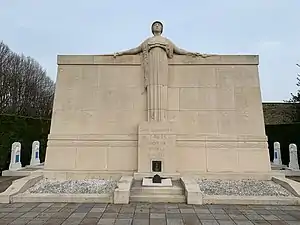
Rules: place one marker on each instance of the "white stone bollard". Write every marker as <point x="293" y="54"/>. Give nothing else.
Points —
<point x="35" y="154"/>
<point x="15" y="158"/>
<point x="294" y="165"/>
<point x="277" y="154"/>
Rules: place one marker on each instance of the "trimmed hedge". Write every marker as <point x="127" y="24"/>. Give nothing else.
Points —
<point x="24" y="130"/>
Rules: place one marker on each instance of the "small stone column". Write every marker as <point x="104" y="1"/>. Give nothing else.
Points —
<point x="15" y="158"/>
<point x="293" y="165"/>
<point x="277" y="154"/>
<point x="35" y="154"/>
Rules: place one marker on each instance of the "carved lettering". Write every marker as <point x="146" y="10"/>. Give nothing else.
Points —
<point x="157" y="145"/>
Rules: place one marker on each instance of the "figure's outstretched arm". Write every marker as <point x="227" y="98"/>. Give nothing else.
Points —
<point x="132" y="51"/>
<point x="180" y="51"/>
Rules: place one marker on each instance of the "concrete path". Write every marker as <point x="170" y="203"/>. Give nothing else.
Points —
<point x="146" y="214"/>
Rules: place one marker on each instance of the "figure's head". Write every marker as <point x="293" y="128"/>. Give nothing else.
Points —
<point x="157" y="28"/>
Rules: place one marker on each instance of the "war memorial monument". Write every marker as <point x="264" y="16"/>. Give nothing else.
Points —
<point x="157" y="108"/>
<point x="157" y="123"/>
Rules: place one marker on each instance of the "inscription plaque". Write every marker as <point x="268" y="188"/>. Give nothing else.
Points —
<point x="156" y="166"/>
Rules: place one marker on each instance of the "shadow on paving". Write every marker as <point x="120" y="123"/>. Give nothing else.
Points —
<point x="5" y="182"/>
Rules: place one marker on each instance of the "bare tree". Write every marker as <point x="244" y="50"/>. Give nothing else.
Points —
<point x="25" y="88"/>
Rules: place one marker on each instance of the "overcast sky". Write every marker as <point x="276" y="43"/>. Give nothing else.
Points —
<point x="44" y="28"/>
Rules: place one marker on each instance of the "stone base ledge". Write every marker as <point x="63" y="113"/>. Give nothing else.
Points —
<point x="122" y="192"/>
<point x="291" y="185"/>
<point x="250" y="200"/>
<point x="19" y="186"/>
<point x="68" y="198"/>
<point x="84" y="174"/>
<point x="192" y="191"/>
<point x="233" y="175"/>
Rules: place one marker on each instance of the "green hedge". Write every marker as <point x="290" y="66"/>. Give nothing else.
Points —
<point x="24" y="130"/>
<point x="285" y="134"/>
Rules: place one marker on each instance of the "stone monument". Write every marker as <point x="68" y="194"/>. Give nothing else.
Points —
<point x="293" y="164"/>
<point x="157" y="109"/>
<point x="15" y="157"/>
<point x="35" y="154"/>
<point x="277" y="154"/>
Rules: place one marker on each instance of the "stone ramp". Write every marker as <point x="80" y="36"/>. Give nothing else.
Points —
<point x="5" y="182"/>
<point x="174" y="194"/>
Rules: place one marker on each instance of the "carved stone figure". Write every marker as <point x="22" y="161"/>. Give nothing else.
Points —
<point x="156" y="51"/>
<point x="294" y="165"/>
<point x="35" y="153"/>
<point x="15" y="158"/>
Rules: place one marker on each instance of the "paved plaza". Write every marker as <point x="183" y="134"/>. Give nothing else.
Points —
<point x="143" y="213"/>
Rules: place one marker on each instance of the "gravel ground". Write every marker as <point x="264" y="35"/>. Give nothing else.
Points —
<point x="242" y="188"/>
<point x="90" y="186"/>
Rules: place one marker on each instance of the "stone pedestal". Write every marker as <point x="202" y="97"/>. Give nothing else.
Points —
<point x="156" y="148"/>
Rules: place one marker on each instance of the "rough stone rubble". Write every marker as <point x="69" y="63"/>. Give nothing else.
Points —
<point x="88" y="186"/>
<point x="242" y="188"/>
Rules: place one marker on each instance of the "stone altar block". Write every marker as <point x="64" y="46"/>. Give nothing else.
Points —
<point x="156" y="148"/>
<point x="109" y="108"/>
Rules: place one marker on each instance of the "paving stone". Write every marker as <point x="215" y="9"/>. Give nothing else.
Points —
<point x="127" y="210"/>
<point x="140" y="221"/>
<point x="174" y="215"/>
<point x="46" y="205"/>
<point x="192" y="221"/>
<point x="157" y="215"/>
<point x="54" y="221"/>
<point x="287" y="217"/>
<point x="221" y="216"/>
<point x="156" y="210"/>
<point x="255" y="217"/>
<point x="22" y="209"/>
<point x="270" y="217"/>
<point x="37" y="221"/>
<point x="172" y="210"/>
<point x="260" y="222"/>
<point x="109" y="215"/>
<point x="46" y="215"/>
<point x="238" y="217"/>
<point x="209" y="222"/>
<point x="7" y="209"/>
<point x="262" y="211"/>
<point x="202" y="211"/>
<point x="141" y="215"/>
<point x="90" y="221"/>
<point x="243" y="222"/>
<point x="106" y="221"/>
<point x="30" y="214"/>
<point x="187" y="210"/>
<point x="142" y="210"/>
<point x="13" y="215"/>
<point x="217" y="210"/>
<point x="18" y="222"/>
<point x="38" y="209"/>
<point x="157" y="222"/>
<point x="277" y="222"/>
<point x="175" y="222"/>
<point x="293" y="222"/>
<point x="98" y="210"/>
<point x="77" y="215"/>
<point x="206" y="216"/>
<point x="125" y="216"/>
<point x="2" y="214"/>
<point x="94" y="215"/>
<point x="61" y="215"/>
<point x="123" y="221"/>
<point x="225" y="222"/>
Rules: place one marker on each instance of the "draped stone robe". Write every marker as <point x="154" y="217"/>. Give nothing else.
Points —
<point x="156" y="51"/>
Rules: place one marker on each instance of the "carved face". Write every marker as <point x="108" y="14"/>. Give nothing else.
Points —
<point x="157" y="28"/>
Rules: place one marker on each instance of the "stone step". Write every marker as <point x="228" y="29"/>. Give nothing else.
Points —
<point x="158" y="198"/>
<point x="157" y="190"/>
